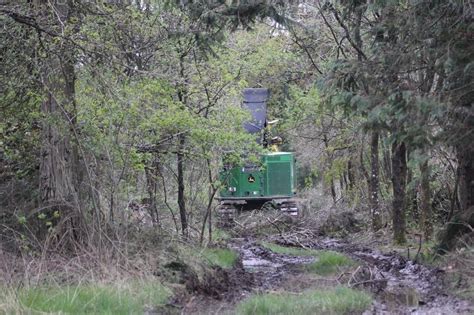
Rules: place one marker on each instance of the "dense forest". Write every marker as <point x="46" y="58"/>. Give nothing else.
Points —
<point x="116" y="116"/>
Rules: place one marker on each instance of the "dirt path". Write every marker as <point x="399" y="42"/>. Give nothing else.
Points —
<point x="399" y="286"/>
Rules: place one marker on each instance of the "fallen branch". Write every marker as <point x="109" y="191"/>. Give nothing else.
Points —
<point x="366" y="281"/>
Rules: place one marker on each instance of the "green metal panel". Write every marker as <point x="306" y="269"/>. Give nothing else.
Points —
<point x="279" y="179"/>
<point x="242" y="182"/>
<point x="270" y="158"/>
<point x="276" y="177"/>
<point x="279" y="175"/>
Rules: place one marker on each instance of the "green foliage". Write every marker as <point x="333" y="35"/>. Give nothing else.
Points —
<point x="22" y="220"/>
<point x="304" y="105"/>
<point x="338" y="167"/>
<point x="127" y="298"/>
<point x="339" y="300"/>
<point x="148" y="73"/>
<point x="329" y="262"/>
<point x="19" y="133"/>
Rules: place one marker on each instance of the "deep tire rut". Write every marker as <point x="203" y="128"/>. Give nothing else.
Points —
<point x="398" y="285"/>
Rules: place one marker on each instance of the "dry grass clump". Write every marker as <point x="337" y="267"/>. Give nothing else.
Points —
<point x="126" y="274"/>
<point x="114" y="275"/>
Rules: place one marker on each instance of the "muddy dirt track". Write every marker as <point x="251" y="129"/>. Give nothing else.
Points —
<point x="398" y="285"/>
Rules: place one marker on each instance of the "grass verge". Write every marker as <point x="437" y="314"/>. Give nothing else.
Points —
<point x="338" y="300"/>
<point x="294" y="251"/>
<point x="329" y="262"/>
<point x="126" y="298"/>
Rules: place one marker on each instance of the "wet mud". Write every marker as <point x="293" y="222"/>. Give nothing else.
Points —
<point x="268" y="268"/>
<point x="398" y="285"/>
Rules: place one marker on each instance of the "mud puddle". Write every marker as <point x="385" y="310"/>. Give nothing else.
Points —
<point x="399" y="285"/>
<point x="261" y="269"/>
<point x="268" y="268"/>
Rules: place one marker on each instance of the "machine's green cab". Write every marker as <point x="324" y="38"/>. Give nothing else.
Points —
<point x="275" y="177"/>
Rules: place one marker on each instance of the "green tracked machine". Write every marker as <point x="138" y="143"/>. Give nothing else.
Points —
<point x="271" y="182"/>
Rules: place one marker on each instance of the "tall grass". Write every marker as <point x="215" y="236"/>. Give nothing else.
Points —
<point x="222" y="257"/>
<point x="8" y="301"/>
<point x="125" y="298"/>
<point x="338" y="300"/>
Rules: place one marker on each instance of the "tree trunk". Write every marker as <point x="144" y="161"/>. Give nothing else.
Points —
<point x="329" y="159"/>
<point x="59" y="166"/>
<point x="350" y="174"/>
<point x="466" y="176"/>
<point x="181" y="200"/>
<point x="61" y="170"/>
<point x="56" y="180"/>
<point x="412" y="186"/>
<point x="151" y="174"/>
<point x="333" y="190"/>
<point x="183" y="98"/>
<point x="387" y="163"/>
<point x="346" y="180"/>
<point x="361" y="164"/>
<point x="458" y="86"/>
<point x="374" y="182"/>
<point x="425" y="204"/>
<point x="399" y="177"/>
